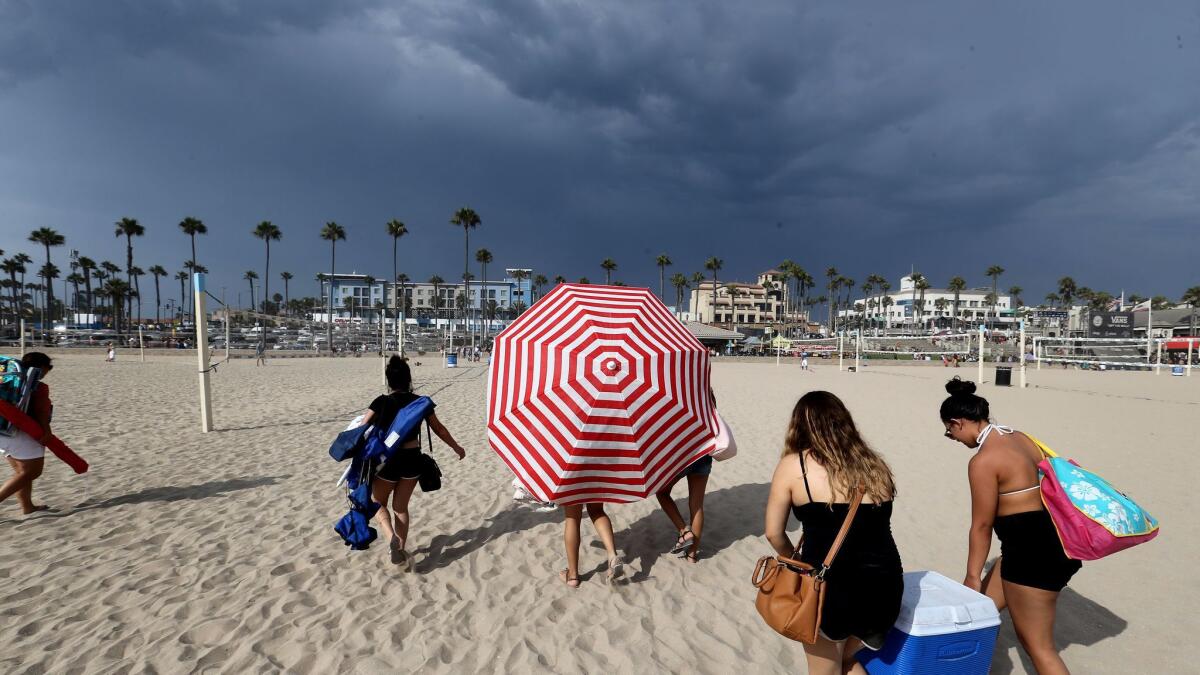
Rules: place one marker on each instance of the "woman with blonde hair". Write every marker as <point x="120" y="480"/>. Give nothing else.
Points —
<point x="825" y="463"/>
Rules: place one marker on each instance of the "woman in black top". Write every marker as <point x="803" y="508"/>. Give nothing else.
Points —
<point x="824" y="458"/>
<point x="397" y="478"/>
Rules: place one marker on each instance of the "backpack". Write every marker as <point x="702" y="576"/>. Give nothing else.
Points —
<point x="16" y="388"/>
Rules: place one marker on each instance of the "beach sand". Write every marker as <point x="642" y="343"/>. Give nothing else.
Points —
<point x="185" y="552"/>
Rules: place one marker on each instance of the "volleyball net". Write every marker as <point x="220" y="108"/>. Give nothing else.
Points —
<point x="918" y="345"/>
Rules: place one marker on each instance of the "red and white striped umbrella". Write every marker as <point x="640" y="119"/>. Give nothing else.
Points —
<point x="598" y="394"/>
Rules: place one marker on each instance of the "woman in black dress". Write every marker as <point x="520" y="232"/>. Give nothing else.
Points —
<point x="824" y="459"/>
<point x="1006" y="497"/>
<point x="396" y="479"/>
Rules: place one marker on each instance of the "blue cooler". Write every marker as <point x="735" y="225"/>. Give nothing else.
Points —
<point x="1177" y="371"/>
<point x="452" y="360"/>
<point x="944" y="628"/>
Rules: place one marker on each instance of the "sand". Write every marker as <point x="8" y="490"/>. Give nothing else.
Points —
<point x="185" y="552"/>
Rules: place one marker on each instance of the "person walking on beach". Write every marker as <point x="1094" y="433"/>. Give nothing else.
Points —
<point x="804" y="361"/>
<point x="26" y="454"/>
<point x="825" y="462"/>
<point x="572" y="517"/>
<point x="260" y="356"/>
<point x="1005" y="497"/>
<point x="394" y="482"/>
<point x="688" y="541"/>
<point x="111" y="355"/>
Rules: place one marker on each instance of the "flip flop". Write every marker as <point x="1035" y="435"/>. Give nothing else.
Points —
<point x="683" y="542"/>
<point x="571" y="582"/>
<point x="616" y="569"/>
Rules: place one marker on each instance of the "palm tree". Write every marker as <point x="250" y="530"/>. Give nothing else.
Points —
<point x="697" y="280"/>
<point x="268" y="232"/>
<point x="405" y="303"/>
<point x="732" y="289"/>
<point x="680" y="282"/>
<point x="1052" y="299"/>
<point x="370" y="282"/>
<point x="116" y="290"/>
<point x="520" y="275"/>
<point x="867" y="287"/>
<point x="1014" y="293"/>
<point x="958" y="285"/>
<point x="1067" y="291"/>
<point x="129" y="228"/>
<point x="182" y="276"/>
<point x="483" y="257"/>
<point x="137" y="272"/>
<point x="994" y="272"/>
<point x="332" y="233"/>
<point x="251" y="276"/>
<point x="48" y="273"/>
<point x="831" y="274"/>
<point x="609" y="265"/>
<point x="468" y="220"/>
<point x="1192" y="298"/>
<point x="86" y="267"/>
<point x="156" y="271"/>
<point x="395" y="230"/>
<point x="714" y="265"/>
<point x="940" y="305"/>
<point x="286" y="276"/>
<point x="662" y="261"/>
<point x="10" y="267"/>
<point x="539" y="281"/>
<point x="915" y="277"/>
<point x="559" y="279"/>
<point x="47" y="238"/>
<point x="849" y="285"/>
<point x="191" y="227"/>
<point x="922" y="285"/>
<point x="584" y="280"/>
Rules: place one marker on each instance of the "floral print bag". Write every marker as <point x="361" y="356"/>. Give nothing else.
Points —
<point x="1093" y="518"/>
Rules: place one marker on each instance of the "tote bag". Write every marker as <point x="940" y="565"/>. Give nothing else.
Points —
<point x="1093" y="518"/>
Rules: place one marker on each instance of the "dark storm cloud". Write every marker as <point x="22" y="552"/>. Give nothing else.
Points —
<point x="1051" y="140"/>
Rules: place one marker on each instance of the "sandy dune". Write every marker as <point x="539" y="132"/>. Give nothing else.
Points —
<point x="186" y="552"/>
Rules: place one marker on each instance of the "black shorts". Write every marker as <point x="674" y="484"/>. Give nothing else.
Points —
<point x="1031" y="552"/>
<point x="405" y="464"/>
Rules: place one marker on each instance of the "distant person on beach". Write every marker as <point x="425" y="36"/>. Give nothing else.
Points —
<point x="824" y="460"/>
<point x="260" y="356"/>
<point x="687" y="544"/>
<point x="26" y="454"/>
<point x="1005" y="497"/>
<point x="111" y="355"/>
<point x="572" y="517"/>
<point x="396" y="479"/>
<point x="804" y="361"/>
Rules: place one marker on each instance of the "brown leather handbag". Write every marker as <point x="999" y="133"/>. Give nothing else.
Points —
<point x="791" y="593"/>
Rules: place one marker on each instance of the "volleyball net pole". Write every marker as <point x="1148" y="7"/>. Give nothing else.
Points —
<point x="841" y="352"/>
<point x="1021" y="347"/>
<point x="201" y="320"/>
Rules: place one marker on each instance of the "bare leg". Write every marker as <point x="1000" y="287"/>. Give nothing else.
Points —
<point x="25" y="471"/>
<point x="850" y="665"/>
<point x="696" y="487"/>
<point x="993" y="588"/>
<point x="1032" y="611"/>
<point x="603" y="527"/>
<point x="572" y="515"/>
<point x="669" y="507"/>
<point x="380" y="491"/>
<point x="400" y="498"/>
<point x="824" y="657"/>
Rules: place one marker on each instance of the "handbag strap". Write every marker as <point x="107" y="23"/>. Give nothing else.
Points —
<point x="429" y="435"/>
<point x="841" y="535"/>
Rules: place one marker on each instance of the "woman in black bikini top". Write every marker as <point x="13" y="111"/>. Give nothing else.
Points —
<point x="1005" y="497"/>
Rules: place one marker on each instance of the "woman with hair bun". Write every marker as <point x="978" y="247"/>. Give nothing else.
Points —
<point x="1006" y="497"/>
<point x="397" y="478"/>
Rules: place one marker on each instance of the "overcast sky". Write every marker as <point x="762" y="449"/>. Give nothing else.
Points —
<point x="1049" y="138"/>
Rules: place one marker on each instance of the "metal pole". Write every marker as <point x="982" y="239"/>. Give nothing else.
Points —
<point x="141" y="344"/>
<point x="858" y="350"/>
<point x="1158" y="362"/>
<point x="981" y="337"/>
<point x="1149" y="330"/>
<point x="382" y="351"/>
<point x="200" y="319"/>
<point x="1037" y="354"/>
<point x="1022" y="347"/>
<point x="841" y="352"/>
<point x="22" y="338"/>
<point x="1191" y="344"/>
<point x="226" y="332"/>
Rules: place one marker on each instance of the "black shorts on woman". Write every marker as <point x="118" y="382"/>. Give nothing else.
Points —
<point x="405" y="463"/>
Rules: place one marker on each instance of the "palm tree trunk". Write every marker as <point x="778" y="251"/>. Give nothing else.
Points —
<point x="137" y="285"/>
<point x="182" y="299"/>
<point x="661" y="271"/>
<point x="286" y="298"/>
<point x="395" y="290"/>
<point x="157" y="302"/>
<point x="332" y="267"/>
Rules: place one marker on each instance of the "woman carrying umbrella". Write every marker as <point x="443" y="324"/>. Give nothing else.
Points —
<point x="688" y="541"/>
<point x="398" y="477"/>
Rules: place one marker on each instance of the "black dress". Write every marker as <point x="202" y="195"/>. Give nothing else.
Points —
<point x="405" y="463"/>
<point x="866" y="580"/>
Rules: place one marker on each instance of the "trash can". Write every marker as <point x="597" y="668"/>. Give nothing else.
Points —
<point x="452" y="360"/>
<point x="1177" y="371"/>
<point x="1003" y="376"/>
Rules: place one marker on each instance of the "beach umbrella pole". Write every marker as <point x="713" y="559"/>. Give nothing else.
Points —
<point x="200" y="319"/>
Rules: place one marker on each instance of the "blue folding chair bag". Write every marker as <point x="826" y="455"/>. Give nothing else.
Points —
<point x="348" y="443"/>
<point x="407" y="420"/>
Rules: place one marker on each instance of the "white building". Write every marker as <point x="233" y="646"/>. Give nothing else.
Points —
<point x="736" y="303"/>
<point x="932" y="307"/>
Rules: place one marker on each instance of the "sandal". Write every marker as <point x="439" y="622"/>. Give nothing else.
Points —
<point x="684" y="540"/>
<point x="616" y="569"/>
<point x="571" y="582"/>
<point x="692" y="556"/>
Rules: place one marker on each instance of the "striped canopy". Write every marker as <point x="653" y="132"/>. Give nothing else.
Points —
<point x="598" y="394"/>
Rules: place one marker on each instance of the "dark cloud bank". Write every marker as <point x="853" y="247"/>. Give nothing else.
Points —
<point x="1052" y="140"/>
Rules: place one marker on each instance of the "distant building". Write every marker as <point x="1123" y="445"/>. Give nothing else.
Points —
<point x="742" y="304"/>
<point x="906" y="308"/>
<point x="364" y="296"/>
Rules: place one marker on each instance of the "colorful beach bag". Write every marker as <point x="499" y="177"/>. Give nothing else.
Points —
<point x="1093" y="518"/>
